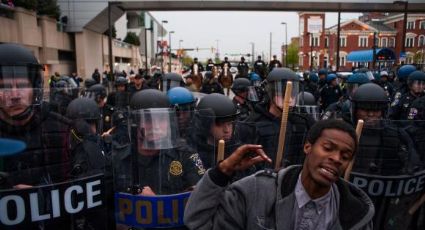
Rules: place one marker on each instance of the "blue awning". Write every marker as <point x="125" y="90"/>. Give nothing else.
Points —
<point x="367" y="55"/>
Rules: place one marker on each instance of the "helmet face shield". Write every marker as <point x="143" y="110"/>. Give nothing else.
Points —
<point x="277" y="92"/>
<point x="252" y="94"/>
<point x="155" y="128"/>
<point x="351" y="89"/>
<point x="309" y="110"/>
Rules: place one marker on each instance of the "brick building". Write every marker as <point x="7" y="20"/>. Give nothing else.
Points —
<point x="383" y="29"/>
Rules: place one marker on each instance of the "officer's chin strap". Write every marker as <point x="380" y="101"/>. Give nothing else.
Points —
<point x="24" y="115"/>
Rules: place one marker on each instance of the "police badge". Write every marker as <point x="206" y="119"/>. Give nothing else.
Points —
<point x="176" y="168"/>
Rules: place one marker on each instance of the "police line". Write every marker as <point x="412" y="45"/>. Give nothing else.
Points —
<point x="389" y="186"/>
<point x="150" y="211"/>
<point x="22" y="207"/>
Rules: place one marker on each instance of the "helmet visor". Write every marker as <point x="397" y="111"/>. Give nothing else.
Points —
<point x="277" y="92"/>
<point x="309" y="110"/>
<point x="417" y="86"/>
<point x="352" y="88"/>
<point x="252" y="94"/>
<point x="155" y="128"/>
<point x="20" y="86"/>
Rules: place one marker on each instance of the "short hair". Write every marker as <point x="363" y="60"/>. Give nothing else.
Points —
<point x="316" y="130"/>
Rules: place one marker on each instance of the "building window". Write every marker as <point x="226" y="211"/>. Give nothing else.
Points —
<point x="391" y="42"/>
<point x="410" y="41"/>
<point x="301" y="41"/>
<point x="342" y="61"/>
<point x="422" y="25"/>
<point x="301" y="60"/>
<point x="314" y="41"/>
<point x="363" y="41"/>
<point x="421" y="41"/>
<point x="384" y="42"/>
<point x="411" y="25"/>
<point x="326" y="42"/>
<point x="343" y="41"/>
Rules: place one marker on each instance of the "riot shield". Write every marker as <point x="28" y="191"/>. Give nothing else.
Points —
<point x="154" y="172"/>
<point x="389" y="167"/>
<point x="73" y="203"/>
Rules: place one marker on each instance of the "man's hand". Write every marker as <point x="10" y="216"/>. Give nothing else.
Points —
<point x="147" y="191"/>
<point x="239" y="160"/>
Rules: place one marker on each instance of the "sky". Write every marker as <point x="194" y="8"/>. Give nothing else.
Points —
<point x="234" y="30"/>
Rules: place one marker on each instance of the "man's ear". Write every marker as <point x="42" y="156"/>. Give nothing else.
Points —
<point x="307" y="148"/>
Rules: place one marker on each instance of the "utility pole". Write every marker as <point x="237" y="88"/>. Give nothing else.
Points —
<point x="146" y="48"/>
<point x="162" y="45"/>
<point x="338" y="41"/>
<point x="169" y="54"/>
<point x="270" y="55"/>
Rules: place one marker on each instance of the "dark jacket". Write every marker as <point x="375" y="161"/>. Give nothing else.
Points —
<point x="244" y="205"/>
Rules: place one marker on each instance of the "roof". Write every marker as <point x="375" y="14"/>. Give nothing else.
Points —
<point x="380" y="26"/>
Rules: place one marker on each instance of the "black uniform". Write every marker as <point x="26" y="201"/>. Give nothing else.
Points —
<point x="210" y="67"/>
<point x="417" y="109"/>
<point x="400" y="107"/>
<point x="273" y="64"/>
<point x="200" y="67"/>
<point x="329" y="95"/>
<point x="224" y="63"/>
<point x="170" y="172"/>
<point x="244" y="109"/>
<point x="212" y="87"/>
<point x="243" y="69"/>
<point x="260" y="68"/>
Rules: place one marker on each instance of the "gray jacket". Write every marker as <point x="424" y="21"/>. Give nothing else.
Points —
<point x="265" y="201"/>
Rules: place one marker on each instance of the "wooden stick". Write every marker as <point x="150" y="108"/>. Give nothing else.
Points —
<point x="417" y="205"/>
<point x="220" y="153"/>
<point x="283" y="123"/>
<point x="359" y="129"/>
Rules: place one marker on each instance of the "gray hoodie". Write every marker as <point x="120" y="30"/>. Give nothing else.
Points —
<point x="265" y="201"/>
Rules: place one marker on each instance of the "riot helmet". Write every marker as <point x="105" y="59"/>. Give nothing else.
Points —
<point x="153" y="121"/>
<point x="367" y="72"/>
<point x="171" y="80"/>
<point x="215" y="114"/>
<point x="242" y="88"/>
<point x="183" y="101"/>
<point x="85" y="115"/>
<point x="21" y="81"/>
<point x="369" y="102"/>
<point x="354" y="81"/>
<point x="89" y="82"/>
<point x="121" y="81"/>
<point x="416" y="82"/>
<point x="255" y="79"/>
<point x="97" y="93"/>
<point x="330" y="78"/>
<point x="306" y="104"/>
<point x="276" y="85"/>
<point x="313" y="77"/>
<point x="404" y="72"/>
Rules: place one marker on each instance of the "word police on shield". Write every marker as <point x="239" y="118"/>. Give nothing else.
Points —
<point x="21" y="207"/>
<point x="150" y="211"/>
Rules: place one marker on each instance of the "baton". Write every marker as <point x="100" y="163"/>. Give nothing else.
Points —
<point x="283" y="123"/>
<point x="220" y="154"/>
<point x="417" y="205"/>
<point x="359" y="129"/>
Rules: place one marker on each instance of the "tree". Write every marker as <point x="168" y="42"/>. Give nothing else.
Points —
<point x="132" y="38"/>
<point x="49" y="8"/>
<point x="27" y="4"/>
<point x="114" y="32"/>
<point x="292" y="53"/>
<point x="187" y="61"/>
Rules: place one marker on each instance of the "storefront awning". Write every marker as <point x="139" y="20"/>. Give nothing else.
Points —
<point x="383" y="54"/>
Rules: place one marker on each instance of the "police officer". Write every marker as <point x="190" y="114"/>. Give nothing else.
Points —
<point x="240" y="88"/>
<point x="120" y="97"/>
<point x="171" y="80"/>
<point x="183" y="101"/>
<point x="341" y="108"/>
<point x="263" y="125"/>
<point x="157" y="162"/>
<point x="26" y="117"/>
<point x="199" y="66"/>
<point x="87" y="152"/>
<point x="401" y="86"/>
<point x="274" y="63"/>
<point x="99" y="95"/>
<point x="214" y="120"/>
<point x="385" y="84"/>
<point x="385" y="149"/>
<point x="331" y="92"/>
<point x="226" y="63"/>
<point x="400" y="108"/>
<point x="64" y="91"/>
<point x="260" y="67"/>
<point x="243" y="68"/>
<point x="210" y="65"/>
<point x="211" y="85"/>
<point x="323" y="73"/>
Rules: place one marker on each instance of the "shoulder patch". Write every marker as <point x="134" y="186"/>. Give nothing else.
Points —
<point x="198" y="163"/>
